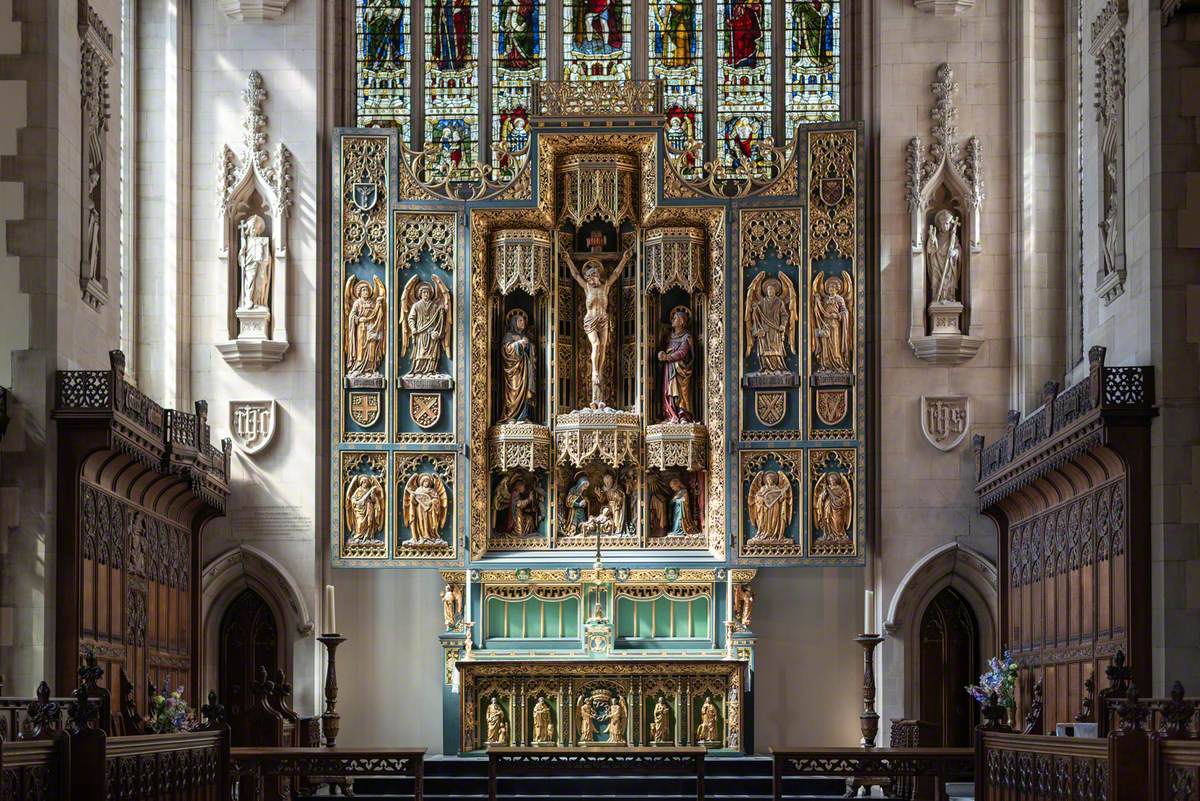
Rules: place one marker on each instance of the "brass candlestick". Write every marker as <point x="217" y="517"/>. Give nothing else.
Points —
<point x="331" y="720"/>
<point x="869" y="719"/>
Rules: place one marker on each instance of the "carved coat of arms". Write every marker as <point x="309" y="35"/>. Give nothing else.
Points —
<point x="945" y="420"/>
<point x="364" y="196"/>
<point x="364" y="408"/>
<point x="425" y="409"/>
<point x="833" y="190"/>
<point x="252" y="424"/>
<point x="770" y="407"/>
<point x="831" y="405"/>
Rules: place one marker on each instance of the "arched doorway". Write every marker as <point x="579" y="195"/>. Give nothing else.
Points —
<point x="949" y="661"/>
<point x="249" y="637"/>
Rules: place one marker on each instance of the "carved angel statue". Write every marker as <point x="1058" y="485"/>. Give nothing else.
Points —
<point x="617" y="715"/>
<point x="942" y="253"/>
<point x="497" y="724"/>
<point x="587" y="719"/>
<point x="364" y="508"/>
<point x="709" y="730"/>
<point x="254" y="259"/>
<point x="832" y="322"/>
<point x="452" y="605"/>
<point x="364" y="306"/>
<point x="427" y="324"/>
<point x="771" y="314"/>
<point x="598" y="319"/>
<point x="425" y="504"/>
<point x="518" y="504"/>
<point x="833" y="506"/>
<point x="660" y="725"/>
<point x="543" y="721"/>
<point x="770" y="506"/>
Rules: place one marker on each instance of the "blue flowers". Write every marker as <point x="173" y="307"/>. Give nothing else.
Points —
<point x="999" y="680"/>
<point x="170" y="714"/>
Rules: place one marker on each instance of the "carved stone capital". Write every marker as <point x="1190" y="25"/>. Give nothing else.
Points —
<point x="253" y="10"/>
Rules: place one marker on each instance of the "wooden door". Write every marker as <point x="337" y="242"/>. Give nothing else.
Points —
<point x="249" y="638"/>
<point x="949" y="662"/>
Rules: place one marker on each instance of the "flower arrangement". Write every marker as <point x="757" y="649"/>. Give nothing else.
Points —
<point x="1000" y="680"/>
<point x="170" y="713"/>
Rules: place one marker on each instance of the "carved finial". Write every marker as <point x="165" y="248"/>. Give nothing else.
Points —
<point x="42" y="693"/>
<point x="202" y="408"/>
<point x="89" y="672"/>
<point x="81" y="711"/>
<point x="1033" y="718"/>
<point x="116" y="360"/>
<point x="1014" y="417"/>
<point x="43" y="714"/>
<point x="977" y="443"/>
<point x="212" y="711"/>
<point x="1132" y="711"/>
<point x="943" y="113"/>
<point x="1096" y="354"/>
<point x="1087" y="711"/>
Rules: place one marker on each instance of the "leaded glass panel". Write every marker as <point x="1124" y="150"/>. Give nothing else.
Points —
<point x="813" y="62"/>
<point x="452" y="85"/>
<point x="677" y="58"/>
<point x="743" y="83"/>
<point x="382" y="29"/>
<point x="518" y="59"/>
<point x="597" y="44"/>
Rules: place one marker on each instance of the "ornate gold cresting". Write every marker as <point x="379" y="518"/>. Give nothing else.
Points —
<point x="598" y="186"/>
<point x="674" y="257"/>
<point x="592" y="102"/>
<point x="521" y="260"/>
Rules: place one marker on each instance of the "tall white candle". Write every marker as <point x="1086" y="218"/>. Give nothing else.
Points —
<point x="869" y="612"/>
<point x="330" y="615"/>
<point x="467" y="603"/>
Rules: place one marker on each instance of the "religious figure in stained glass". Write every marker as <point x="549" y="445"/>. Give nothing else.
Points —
<point x="383" y="55"/>
<point x="518" y="60"/>
<point x="597" y="40"/>
<point x="451" y="33"/>
<point x="677" y="32"/>
<point x="598" y="26"/>
<point x="514" y="129"/>
<point x="744" y="84"/>
<point x="814" y="34"/>
<point x="383" y="34"/>
<point x="812" y="62"/>
<point x="517" y="37"/>
<point x="742" y="135"/>
<point x="745" y="26"/>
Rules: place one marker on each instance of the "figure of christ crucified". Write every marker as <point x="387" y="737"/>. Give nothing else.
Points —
<point x="597" y="321"/>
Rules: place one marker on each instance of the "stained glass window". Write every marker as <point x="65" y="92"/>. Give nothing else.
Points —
<point x="597" y="44"/>
<point x="813" y="62"/>
<point x="382" y="28"/>
<point x="677" y="58"/>
<point x="743" y="82"/>
<point x="518" y="59"/>
<point x="452" y="86"/>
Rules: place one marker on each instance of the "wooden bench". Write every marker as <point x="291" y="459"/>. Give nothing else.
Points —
<point x="890" y="764"/>
<point x="505" y="762"/>
<point x="338" y="762"/>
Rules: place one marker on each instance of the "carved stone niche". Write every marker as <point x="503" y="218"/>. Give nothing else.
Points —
<point x="253" y="10"/>
<point x="96" y="61"/>
<point x="945" y="194"/>
<point x="255" y="188"/>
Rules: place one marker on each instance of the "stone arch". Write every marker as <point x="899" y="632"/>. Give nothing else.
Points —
<point x="969" y="573"/>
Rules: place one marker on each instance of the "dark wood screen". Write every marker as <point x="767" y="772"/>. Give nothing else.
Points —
<point x="949" y="662"/>
<point x="249" y="639"/>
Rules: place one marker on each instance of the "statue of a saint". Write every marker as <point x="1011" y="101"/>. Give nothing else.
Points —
<point x="518" y="504"/>
<point x="365" y="308"/>
<point x="770" y="499"/>
<point x="683" y="513"/>
<point x="451" y="605"/>
<point x="677" y="369"/>
<point x="597" y="320"/>
<point x="617" y="715"/>
<point x="771" y="313"/>
<point x="364" y="508"/>
<point x="612" y="498"/>
<point x="833" y="324"/>
<point x="255" y="261"/>
<point x="587" y="720"/>
<point x="425" y="504"/>
<point x="577" y="504"/>
<point x="497" y="724"/>
<point x="92" y="234"/>
<point x="1109" y="231"/>
<point x="426" y="313"/>
<point x="660" y="725"/>
<point x="518" y="359"/>
<point x="743" y="604"/>
<point x="833" y="506"/>
<point x="708" y="731"/>
<point x="941" y="257"/>
<point x="543" y="721"/>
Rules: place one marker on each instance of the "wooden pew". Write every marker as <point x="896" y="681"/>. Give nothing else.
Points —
<point x="507" y="762"/>
<point x="268" y="766"/>
<point x="902" y="767"/>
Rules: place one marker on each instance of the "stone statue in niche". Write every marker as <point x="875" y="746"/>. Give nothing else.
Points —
<point x="364" y="509"/>
<point x="617" y="715"/>
<point x="1109" y="230"/>
<point x="543" y="721"/>
<point x="254" y="262"/>
<point x="425" y="504"/>
<point x="771" y="314"/>
<point x="518" y="360"/>
<point x="518" y="504"/>
<point x="660" y="724"/>
<point x="452" y="600"/>
<point x="612" y="498"/>
<point x="365" y="307"/>
<point x="578" y="508"/>
<point x="770" y="506"/>
<point x="833" y="506"/>
<point x="832" y="322"/>
<point x="598" y="320"/>
<point x="92" y="234"/>
<point x="497" y="724"/>
<point x="743" y="604"/>
<point x="708" y="731"/>
<point x="427" y="325"/>
<point x="942" y="253"/>
<point x="587" y="719"/>
<point x="678" y="369"/>
<point x="673" y="504"/>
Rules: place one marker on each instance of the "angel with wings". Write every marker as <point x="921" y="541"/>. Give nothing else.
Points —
<point x="364" y="508"/>
<point x="425" y="505"/>
<point x="770" y="506"/>
<point x="518" y="504"/>
<point x="833" y="506"/>
<point x="771" y="314"/>
<point x="427" y="324"/>
<point x="832" y="323"/>
<point x="364" y="308"/>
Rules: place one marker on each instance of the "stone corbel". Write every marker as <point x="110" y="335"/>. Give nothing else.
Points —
<point x="951" y="176"/>
<point x="253" y="10"/>
<point x="944" y="8"/>
<point x="255" y="181"/>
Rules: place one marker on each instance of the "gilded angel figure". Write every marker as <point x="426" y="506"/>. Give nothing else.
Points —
<point x="426" y="324"/>
<point x="425" y="503"/>
<point x="364" y="508"/>
<point x="833" y="506"/>
<point x="770" y="506"/>
<point x="771" y="314"/>
<point x="832" y="322"/>
<point x="364" y="308"/>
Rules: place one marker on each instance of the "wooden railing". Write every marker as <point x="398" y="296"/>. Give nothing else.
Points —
<point x="263" y="767"/>
<point x="30" y="771"/>
<point x="900" y="772"/>
<point x="680" y="762"/>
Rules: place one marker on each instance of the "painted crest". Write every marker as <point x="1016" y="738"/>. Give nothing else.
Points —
<point x="833" y="190"/>
<point x="252" y="424"/>
<point x="831" y="405"/>
<point x="770" y="407"/>
<point x="945" y="420"/>
<point x="425" y="408"/>
<point x="364" y="196"/>
<point x="364" y="408"/>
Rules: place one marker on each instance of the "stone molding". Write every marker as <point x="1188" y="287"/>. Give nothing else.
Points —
<point x="253" y="10"/>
